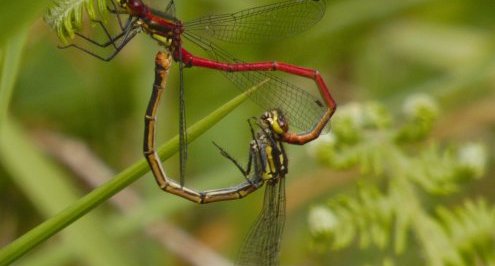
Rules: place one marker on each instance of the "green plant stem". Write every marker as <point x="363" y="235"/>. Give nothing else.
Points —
<point x="44" y="184"/>
<point x="50" y="190"/>
<point x="58" y="222"/>
<point x="10" y="68"/>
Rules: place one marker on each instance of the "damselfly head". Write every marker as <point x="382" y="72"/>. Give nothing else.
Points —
<point x="135" y="7"/>
<point x="276" y="120"/>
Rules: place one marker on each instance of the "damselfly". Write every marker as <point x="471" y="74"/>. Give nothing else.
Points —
<point x="262" y="245"/>
<point x="305" y="112"/>
<point x="266" y="157"/>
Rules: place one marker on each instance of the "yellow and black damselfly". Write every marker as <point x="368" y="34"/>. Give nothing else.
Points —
<point x="267" y="164"/>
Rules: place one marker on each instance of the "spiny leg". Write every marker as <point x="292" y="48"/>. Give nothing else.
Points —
<point x="258" y="146"/>
<point x="245" y="172"/>
<point x="251" y="129"/>
<point x="129" y="32"/>
<point x="111" y="40"/>
<point x="170" y="9"/>
<point x="115" y="10"/>
<point x="126" y="39"/>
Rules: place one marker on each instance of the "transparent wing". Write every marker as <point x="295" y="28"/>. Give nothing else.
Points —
<point x="264" y="23"/>
<point x="302" y="110"/>
<point x="262" y="245"/>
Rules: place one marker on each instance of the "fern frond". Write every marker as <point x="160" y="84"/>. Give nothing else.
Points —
<point x="470" y="229"/>
<point x="367" y="216"/>
<point x="66" y="16"/>
<point x="348" y="144"/>
<point x="363" y="137"/>
<point x="421" y="112"/>
<point x="443" y="172"/>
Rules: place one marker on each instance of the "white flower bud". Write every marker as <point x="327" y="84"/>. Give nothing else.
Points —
<point x="473" y="156"/>
<point x="419" y="105"/>
<point x="321" y="220"/>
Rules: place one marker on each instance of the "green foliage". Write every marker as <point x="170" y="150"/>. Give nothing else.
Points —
<point x="366" y="50"/>
<point x="17" y="15"/>
<point x="470" y="231"/>
<point x="400" y="164"/>
<point x="66" y="16"/>
<point x="347" y="216"/>
<point x="83" y="205"/>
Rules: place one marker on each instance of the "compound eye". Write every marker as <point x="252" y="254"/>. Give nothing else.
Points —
<point x="278" y="123"/>
<point x="136" y="7"/>
<point x="283" y="124"/>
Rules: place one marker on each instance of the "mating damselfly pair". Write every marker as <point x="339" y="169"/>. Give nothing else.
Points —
<point x="288" y="103"/>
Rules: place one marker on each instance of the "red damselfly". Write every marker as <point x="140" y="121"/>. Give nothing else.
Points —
<point x="308" y="114"/>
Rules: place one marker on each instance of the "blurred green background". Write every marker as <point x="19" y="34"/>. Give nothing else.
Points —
<point x="67" y="101"/>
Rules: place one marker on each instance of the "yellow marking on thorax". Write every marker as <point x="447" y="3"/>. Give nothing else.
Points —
<point x="275" y="125"/>
<point x="281" y="158"/>
<point x="162" y="40"/>
<point x="268" y="173"/>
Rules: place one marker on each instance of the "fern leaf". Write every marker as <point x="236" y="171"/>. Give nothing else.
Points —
<point x="470" y="229"/>
<point x="360" y="139"/>
<point x="366" y="217"/>
<point x="66" y="16"/>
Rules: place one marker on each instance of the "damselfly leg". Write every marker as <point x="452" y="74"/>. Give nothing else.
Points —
<point x="163" y="62"/>
<point x="267" y="157"/>
<point x="307" y="114"/>
<point x="263" y="242"/>
<point x="128" y="30"/>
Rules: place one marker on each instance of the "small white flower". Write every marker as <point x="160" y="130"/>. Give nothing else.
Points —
<point x="321" y="220"/>
<point x="420" y="104"/>
<point x="473" y="156"/>
<point x="353" y="112"/>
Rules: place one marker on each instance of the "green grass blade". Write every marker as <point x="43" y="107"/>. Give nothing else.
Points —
<point x="10" y="68"/>
<point x="44" y="184"/>
<point x="85" y="204"/>
<point x="50" y="189"/>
